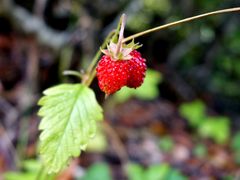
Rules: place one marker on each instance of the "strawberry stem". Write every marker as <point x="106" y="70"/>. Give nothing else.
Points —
<point x="98" y="54"/>
<point x="120" y="38"/>
<point x="91" y="72"/>
<point x="180" y="22"/>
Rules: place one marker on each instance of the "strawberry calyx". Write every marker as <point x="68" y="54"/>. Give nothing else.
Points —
<point x="123" y="53"/>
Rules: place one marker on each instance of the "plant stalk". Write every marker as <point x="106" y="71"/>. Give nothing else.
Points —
<point x="73" y="73"/>
<point x="121" y="37"/>
<point x="180" y="22"/>
<point x="91" y="72"/>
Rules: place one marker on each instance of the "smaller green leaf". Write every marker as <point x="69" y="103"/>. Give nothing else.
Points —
<point x="237" y="157"/>
<point x="194" y="112"/>
<point x="31" y="165"/>
<point x="216" y="128"/>
<point x="69" y="113"/>
<point x="155" y="172"/>
<point x="175" y="175"/>
<point x="236" y="142"/>
<point x="98" y="171"/>
<point x="166" y="143"/>
<point x="200" y="150"/>
<point x="19" y="176"/>
<point x="159" y="7"/>
<point x="135" y="171"/>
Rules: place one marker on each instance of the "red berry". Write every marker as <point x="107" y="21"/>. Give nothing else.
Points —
<point x="137" y="70"/>
<point x="112" y="74"/>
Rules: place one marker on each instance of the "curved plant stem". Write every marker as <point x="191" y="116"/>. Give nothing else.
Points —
<point x="117" y="143"/>
<point x="73" y="73"/>
<point x="96" y="57"/>
<point x="91" y="72"/>
<point x="91" y="77"/>
<point x="180" y="22"/>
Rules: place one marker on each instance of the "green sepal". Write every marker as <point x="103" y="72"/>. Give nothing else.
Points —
<point x="132" y="45"/>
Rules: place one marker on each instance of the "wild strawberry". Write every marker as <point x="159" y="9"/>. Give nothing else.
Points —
<point x="121" y="65"/>
<point x="112" y="74"/>
<point x="137" y="70"/>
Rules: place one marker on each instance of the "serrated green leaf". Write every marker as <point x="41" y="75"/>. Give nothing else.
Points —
<point x="69" y="113"/>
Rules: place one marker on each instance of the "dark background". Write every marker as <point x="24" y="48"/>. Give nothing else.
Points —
<point x="197" y="60"/>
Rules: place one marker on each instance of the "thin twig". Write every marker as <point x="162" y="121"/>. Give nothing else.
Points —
<point x="180" y="22"/>
<point x="120" y="39"/>
<point x="10" y="145"/>
<point x="91" y="72"/>
<point x="96" y="57"/>
<point x="72" y="73"/>
<point x="117" y="143"/>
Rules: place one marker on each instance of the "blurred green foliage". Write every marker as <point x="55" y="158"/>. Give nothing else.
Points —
<point x="97" y="171"/>
<point x="154" y="172"/>
<point x="214" y="127"/>
<point x="30" y="169"/>
<point x="200" y="150"/>
<point x="143" y="18"/>
<point x="166" y="143"/>
<point x="157" y="6"/>
<point x="235" y="145"/>
<point x="98" y="143"/>
<point x="194" y="112"/>
<point x="236" y="142"/>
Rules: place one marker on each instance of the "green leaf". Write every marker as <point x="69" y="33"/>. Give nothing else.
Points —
<point x="236" y="142"/>
<point x="31" y="165"/>
<point x="194" y="112"/>
<point x="135" y="171"/>
<point x="19" y="176"/>
<point x="236" y="156"/>
<point x="29" y="171"/>
<point x="175" y="175"/>
<point x="69" y="120"/>
<point x="200" y="150"/>
<point x="156" y="172"/>
<point x="98" y="171"/>
<point x="166" y="143"/>
<point x="216" y="128"/>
